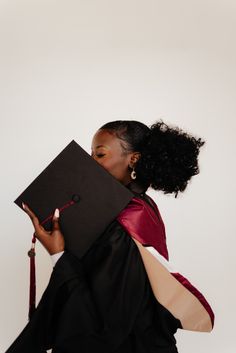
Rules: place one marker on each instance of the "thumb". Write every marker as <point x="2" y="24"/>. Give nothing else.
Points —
<point x="55" y="220"/>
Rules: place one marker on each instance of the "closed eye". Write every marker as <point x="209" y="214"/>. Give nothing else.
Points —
<point x="98" y="155"/>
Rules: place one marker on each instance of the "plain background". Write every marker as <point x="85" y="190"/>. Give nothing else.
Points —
<point x="66" y="68"/>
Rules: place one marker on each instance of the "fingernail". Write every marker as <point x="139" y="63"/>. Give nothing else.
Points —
<point x="56" y="213"/>
<point x="23" y="205"/>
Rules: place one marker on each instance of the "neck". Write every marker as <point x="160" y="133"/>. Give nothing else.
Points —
<point x="136" y="187"/>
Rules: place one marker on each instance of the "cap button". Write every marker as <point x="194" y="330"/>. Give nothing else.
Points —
<point x="75" y="197"/>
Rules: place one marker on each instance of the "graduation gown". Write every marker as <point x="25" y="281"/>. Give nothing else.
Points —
<point x="101" y="303"/>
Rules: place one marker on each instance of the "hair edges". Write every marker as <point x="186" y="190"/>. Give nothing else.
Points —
<point x="169" y="158"/>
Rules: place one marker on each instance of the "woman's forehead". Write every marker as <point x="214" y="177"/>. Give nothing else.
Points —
<point x="104" y="138"/>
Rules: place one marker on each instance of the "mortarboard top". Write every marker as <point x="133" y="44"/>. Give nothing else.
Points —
<point x="88" y="196"/>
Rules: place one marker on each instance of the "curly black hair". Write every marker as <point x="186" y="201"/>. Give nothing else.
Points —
<point x="169" y="156"/>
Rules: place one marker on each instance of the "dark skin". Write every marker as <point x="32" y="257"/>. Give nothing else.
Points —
<point x="107" y="150"/>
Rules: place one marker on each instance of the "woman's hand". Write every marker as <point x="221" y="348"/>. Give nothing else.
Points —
<point x="53" y="240"/>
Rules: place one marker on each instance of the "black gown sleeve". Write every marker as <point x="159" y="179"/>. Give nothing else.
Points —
<point x="89" y="305"/>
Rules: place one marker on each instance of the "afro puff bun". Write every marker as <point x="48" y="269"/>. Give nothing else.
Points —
<point x="169" y="158"/>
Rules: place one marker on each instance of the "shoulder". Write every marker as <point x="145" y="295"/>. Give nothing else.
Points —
<point x="114" y="239"/>
<point x="142" y="220"/>
<point x="141" y="209"/>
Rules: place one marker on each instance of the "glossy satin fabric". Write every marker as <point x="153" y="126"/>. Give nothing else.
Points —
<point x="102" y="303"/>
<point x="185" y="282"/>
<point x="143" y="222"/>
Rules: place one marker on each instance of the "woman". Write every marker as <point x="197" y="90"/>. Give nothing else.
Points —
<point x="104" y="302"/>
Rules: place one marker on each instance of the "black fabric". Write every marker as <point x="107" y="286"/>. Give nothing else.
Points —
<point x="140" y="191"/>
<point x="101" y="303"/>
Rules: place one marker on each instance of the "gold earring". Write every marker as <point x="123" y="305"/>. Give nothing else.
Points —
<point x="133" y="174"/>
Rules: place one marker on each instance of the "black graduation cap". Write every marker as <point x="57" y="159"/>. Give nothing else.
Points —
<point x="88" y="196"/>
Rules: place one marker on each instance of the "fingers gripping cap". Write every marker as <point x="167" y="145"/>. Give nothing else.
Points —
<point x="88" y="197"/>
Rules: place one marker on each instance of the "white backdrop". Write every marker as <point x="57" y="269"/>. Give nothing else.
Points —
<point x="67" y="67"/>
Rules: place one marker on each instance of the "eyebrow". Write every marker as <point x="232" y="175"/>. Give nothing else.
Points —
<point x="99" y="146"/>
